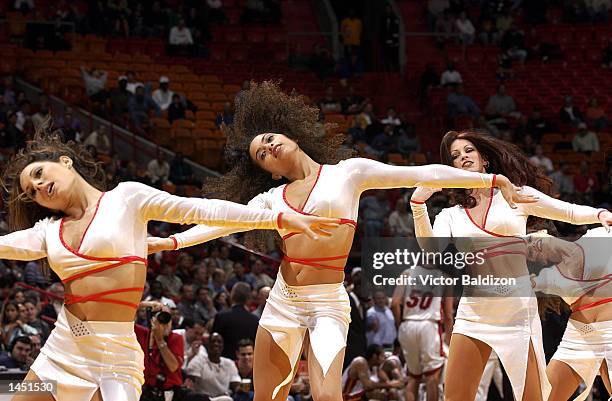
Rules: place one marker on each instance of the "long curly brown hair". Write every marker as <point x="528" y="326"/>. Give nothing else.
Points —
<point x="45" y="146"/>
<point x="503" y="158"/>
<point x="266" y="108"/>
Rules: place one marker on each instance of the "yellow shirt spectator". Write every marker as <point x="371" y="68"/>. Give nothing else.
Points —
<point x="351" y="31"/>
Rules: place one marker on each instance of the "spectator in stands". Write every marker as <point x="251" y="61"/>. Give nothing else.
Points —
<point x="217" y="283"/>
<point x="465" y="28"/>
<point x="606" y="58"/>
<point x="180" y="40"/>
<point x="215" y="11"/>
<point x="389" y="38"/>
<point x="459" y="104"/>
<point x="244" y="363"/>
<point x="429" y="79"/>
<point x="95" y="84"/>
<point x="19" y="355"/>
<point x="132" y="82"/>
<point x="356" y="342"/>
<point x="33" y="275"/>
<point x="37" y="343"/>
<point x="261" y="299"/>
<point x="585" y="140"/>
<point x="537" y="125"/>
<point x="227" y="117"/>
<point x="585" y="181"/>
<point x="239" y="275"/>
<point x="322" y="63"/>
<point x="10" y="135"/>
<point x="598" y="10"/>
<point x="32" y="320"/>
<point x="500" y="107"/>
<point x="204" y="308"/>
<point x="194" y="333"/>
<point x="13" y="324"/>
<point x="176" y="110"/>
<point x="451" y="77"/>
<point x="180" y="171"/>
<point x="221" y="301"/>
<point x="185" y="268"/>
<point x="214" y="374"/>
<point x="24" y="111"/>
<point x="350" y="29"/>
<point x="374" y="209"/>
<point x="187" y="302"/>
<point x="562" y="179"/>
<point x="540" y="160"/>
<point x="400" y="220"/>
<point x="513" y="44"/>
<point x="163" y="95"/>
<point x="391" y="118"/>
<point x="408" y="142"/>
<point x="596" y="115"/>
<point x="201" y="278"/>
<point x="488" y="33"/>
<point x="261" y="278"/>
<point x="570" y="114"/>
<point x="120" y="99"/>
<point x="329" y="103"/>
<point x="445" y="28"/>
<point x="435" y="9"/>
<point x="237" y="323"/>
<point x="165" y="350"/>
<point x="140" y="105"/>
<point x="380" y="322"/>
<point x="170" y="282"/>
<point x="56" y="302"/>
<point x="351" y="102"/>
<point x="99" y="139"/>
<point x="156" y="292"/>
<point x="384" y="142"/>
<point x="70" y="128"/>
<point x="158" y="170"/>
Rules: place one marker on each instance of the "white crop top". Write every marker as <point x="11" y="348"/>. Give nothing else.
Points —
<point x="337" y="190"/>
<point x="596" y="270"/>
<point x="117" y="232"/>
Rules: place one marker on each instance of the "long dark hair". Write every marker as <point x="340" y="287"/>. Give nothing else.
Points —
<point x="45" y="146"/>
<point x="265" y="108"/>
<point x="503" y="158"/>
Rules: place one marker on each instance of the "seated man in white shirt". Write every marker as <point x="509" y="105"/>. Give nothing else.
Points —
<point x="180" y="39"/>
<point x="163" y="95"/>
<point x="213" y="375"/>
<point x="451" y="77"/>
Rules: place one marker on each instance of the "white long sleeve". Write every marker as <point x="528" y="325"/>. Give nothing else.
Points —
<point x="153" y="204"/>
<point x="29" y="244"/>
<point x="370" y="174"/>
<point x="555" y="209"/>
<point x="203" y="233"/>
<point x="430" y="238"/>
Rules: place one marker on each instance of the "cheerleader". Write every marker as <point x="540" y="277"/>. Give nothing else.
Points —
<point x="276" y="140"/>
<point x="95" y="242"/>
<point x="582" y="276"/>
<point x="482" y="221"/>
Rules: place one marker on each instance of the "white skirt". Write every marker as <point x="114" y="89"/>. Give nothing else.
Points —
<point x="322" y="309"/>
<point x="507" y="324"/>
<point x="83" y="356"/>
<point x="584" y="347"/>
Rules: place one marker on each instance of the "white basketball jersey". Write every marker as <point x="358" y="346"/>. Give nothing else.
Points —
<point x="422" y="301"/>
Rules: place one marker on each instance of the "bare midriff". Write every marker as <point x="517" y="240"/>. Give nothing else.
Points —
<point x="302" y="247"/>
<point x="127" y="276"/>
<point x="599" y="313"/>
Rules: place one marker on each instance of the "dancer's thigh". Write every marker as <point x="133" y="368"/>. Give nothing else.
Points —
<point x="467" y="358"/>
<point x="270" y="367"/>
<point x="605" y="376"/>
<point x="533" y="386"/>
<point x="563" y="379"/>
<point x="328" y="388"/>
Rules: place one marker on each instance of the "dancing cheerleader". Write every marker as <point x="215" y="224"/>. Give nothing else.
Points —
<point x="482" y="221"/>
<point x="286" y="163"/>
<point x="581" y="274"/>
<point x="95" y="242"/>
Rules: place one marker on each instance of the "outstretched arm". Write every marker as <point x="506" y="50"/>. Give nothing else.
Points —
<point x="24" y="245"/>
<point x="430" y="238"/>
<point x="153" y="204"/>
<point x="370" y="174"/>
<point x="555" y="209"/>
